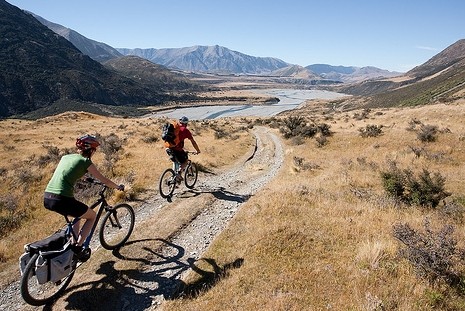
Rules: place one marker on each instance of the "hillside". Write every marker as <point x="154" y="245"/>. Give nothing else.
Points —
<point x="98" y="51"/>
<point x="440" y="79"/>
<point x="39" y="67"/>
<point x="152" y="75"/>
<point x="449" y="57"/>
<point x="350" y="74"/>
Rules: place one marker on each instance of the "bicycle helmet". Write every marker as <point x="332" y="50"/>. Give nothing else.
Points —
<point x="183" y="120"/>
<point x="87" y="142"/>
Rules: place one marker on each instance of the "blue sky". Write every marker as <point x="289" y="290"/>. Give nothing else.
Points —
<point x="396" y="35"/>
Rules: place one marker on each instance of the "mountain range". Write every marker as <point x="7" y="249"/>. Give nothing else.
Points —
<point x="40" y="69"/>
<point x="47" y="66"/>
<point x="220" y="60"/>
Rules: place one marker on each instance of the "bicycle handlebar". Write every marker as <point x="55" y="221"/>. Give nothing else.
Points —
<point x="98" y="182"/>
<point x="94" y="181"/>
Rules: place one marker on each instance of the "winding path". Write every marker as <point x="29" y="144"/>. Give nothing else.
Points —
<point x="162" y="271"/>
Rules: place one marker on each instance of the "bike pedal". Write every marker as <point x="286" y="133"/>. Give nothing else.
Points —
<point x="83" y="254"/>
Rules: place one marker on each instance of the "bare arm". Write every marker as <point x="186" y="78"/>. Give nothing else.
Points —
<point x="96" y="173"/>
<point x="194" y="143"/>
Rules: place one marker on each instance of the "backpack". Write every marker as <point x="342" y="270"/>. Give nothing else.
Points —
<point x="170" y="134"/>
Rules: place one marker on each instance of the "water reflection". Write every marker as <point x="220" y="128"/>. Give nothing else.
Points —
<point x="289" y="99"/>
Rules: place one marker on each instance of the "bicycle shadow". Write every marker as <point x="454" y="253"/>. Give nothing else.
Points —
<point x="207" y="280"/>
<point x="136" y="289"/>
<point x="220" y="193"/>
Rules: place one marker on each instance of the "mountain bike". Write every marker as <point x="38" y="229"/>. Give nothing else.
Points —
<point x="172" y="177"/>
<point x="115" y="228"/>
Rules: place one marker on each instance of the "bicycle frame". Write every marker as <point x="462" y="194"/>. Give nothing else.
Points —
<point x="169" y="179"/>
<point x="103" y="204"/>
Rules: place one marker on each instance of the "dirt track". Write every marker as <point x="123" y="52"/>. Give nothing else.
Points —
<point x="168" y="239"/>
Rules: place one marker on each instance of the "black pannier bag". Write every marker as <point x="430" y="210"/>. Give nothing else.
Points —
<point x="55" y="257"/>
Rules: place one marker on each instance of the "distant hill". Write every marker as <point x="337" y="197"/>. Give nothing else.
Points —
<point x="297" y="72"/>
<point x="98" y="51"/>
<point x="351" y="74"/>
<point x="450" y="56"/>
<point x="208" y="59"/>
<point x="39" y="67"/>
<point x="442" y="78"/>
<point x="221" y="60"/>
<point x="152" y="75"/>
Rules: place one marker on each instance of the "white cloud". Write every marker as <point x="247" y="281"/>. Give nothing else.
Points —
<point x="425" y="48"/>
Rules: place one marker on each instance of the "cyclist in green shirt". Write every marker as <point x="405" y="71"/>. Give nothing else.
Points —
<point x="59" y="193"/>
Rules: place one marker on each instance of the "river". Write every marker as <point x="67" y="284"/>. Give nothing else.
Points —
<point x="288" y="99"/>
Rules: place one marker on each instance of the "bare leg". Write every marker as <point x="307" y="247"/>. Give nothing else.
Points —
<point x="89" y="216"/>
<point x="76" y="229"/>
<point x="183" y="166"/>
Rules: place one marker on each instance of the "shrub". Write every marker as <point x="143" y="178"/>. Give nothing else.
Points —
<point x="10" y="216"/>
<point x="423" y="190"/>
<point x="220" y="133"/>
<point x="321" y="141"/>
<point x="371" y="130"/>
<point x="427" y="133"/>
<point x="452" y="210"/>
<point x="302" y="164"/>
<point x="298" y="126"/>
<point x="433" y="255"/>
<point x="324" y="129"/>
<point x="52" y="156"/>
<point x="111" y="146"/>
<point x="292" y="126"/>
<point x="150" y="139"/>
<point x="363" y="115"/>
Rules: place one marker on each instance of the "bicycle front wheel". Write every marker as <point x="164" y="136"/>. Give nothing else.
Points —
<point x="190" y="175"/>
<point x="116" y="226"/>
<point x="167" y="183"/>
<point x="37" y="294"/>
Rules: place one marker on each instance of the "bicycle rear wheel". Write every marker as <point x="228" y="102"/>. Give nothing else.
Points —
<point x="116" y="226"/>
<point x="190" y="175"/>
<point x="37" y="294"/>
<point x="167" y="183"/>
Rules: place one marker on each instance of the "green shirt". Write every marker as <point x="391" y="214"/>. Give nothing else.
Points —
<point x="71" y="168"/>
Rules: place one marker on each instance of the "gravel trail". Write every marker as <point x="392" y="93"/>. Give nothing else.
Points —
<point x="156" y="282"/>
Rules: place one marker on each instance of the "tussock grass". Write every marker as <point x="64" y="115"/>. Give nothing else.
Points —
<point x="320" y="236"/>
<point x="130" y="154"/>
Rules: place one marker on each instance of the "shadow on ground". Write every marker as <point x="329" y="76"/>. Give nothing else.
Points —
<point x="136" y="289"/>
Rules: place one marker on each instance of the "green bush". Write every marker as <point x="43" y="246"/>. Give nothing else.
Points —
<point x="425" y="189"/>
<point x="298" y="126"/>
<point x="371" y="130"/>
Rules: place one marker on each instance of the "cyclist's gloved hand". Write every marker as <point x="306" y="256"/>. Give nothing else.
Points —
<point x="120" y="187"/>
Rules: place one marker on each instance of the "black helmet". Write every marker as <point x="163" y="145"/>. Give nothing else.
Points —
<point x="183" y="120"/>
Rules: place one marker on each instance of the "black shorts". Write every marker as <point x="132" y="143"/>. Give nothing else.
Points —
<point x="65" y="206"/>
<point x="177" y="155"/>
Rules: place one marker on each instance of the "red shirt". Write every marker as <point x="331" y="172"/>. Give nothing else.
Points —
<point x="183" y="134"/>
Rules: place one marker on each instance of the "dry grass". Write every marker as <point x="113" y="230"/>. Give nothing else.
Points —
<point x="319" y="237"/>
<point x="24" y="173"/>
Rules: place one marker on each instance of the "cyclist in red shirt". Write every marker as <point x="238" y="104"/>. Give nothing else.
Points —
<point x="177" y="151"/>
